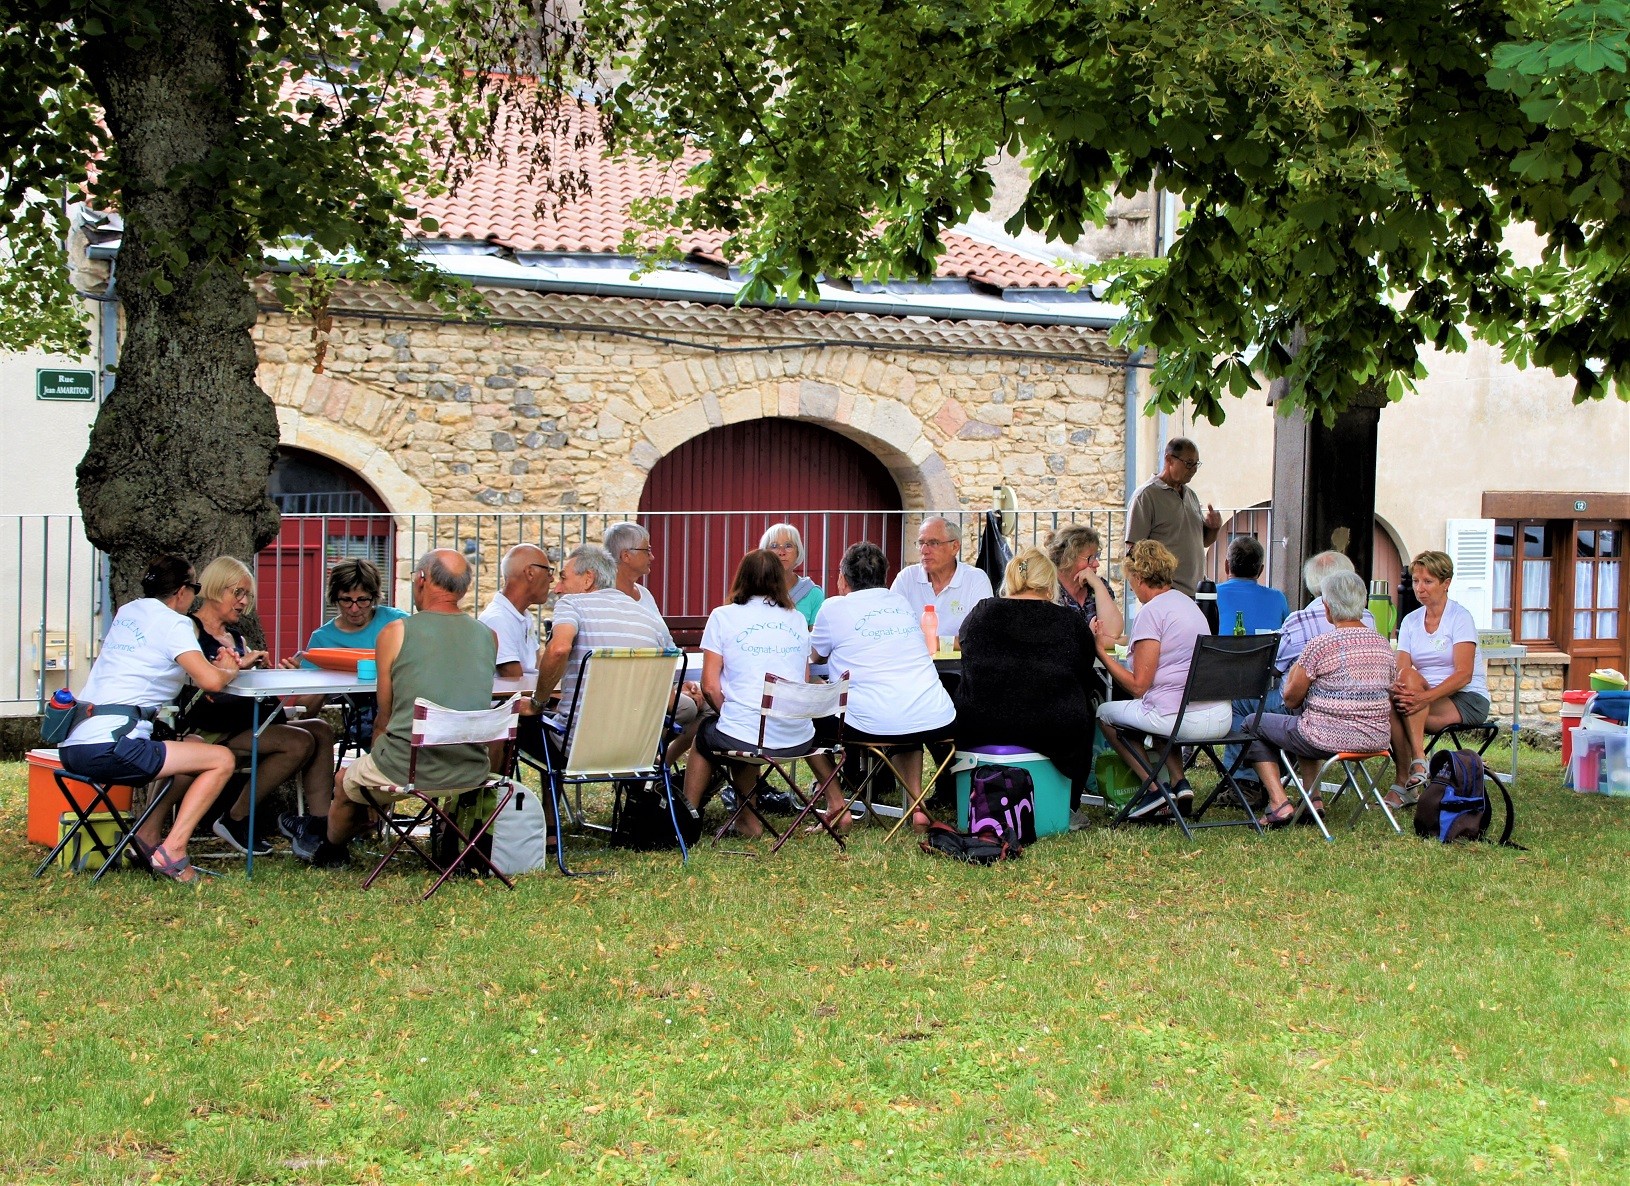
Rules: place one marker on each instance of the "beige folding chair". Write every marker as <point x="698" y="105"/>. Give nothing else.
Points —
<point x="616" y="729"/>
<point x="433" y="726"/>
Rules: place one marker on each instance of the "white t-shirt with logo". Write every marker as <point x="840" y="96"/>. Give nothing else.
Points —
<point x="517" y="633"/>
<point x="755" y="640"/>
<point x="968" y="587"/>
<point x="893" y="685"/>
<point x="1434" y="654"/>
<point x="137" y="665"/>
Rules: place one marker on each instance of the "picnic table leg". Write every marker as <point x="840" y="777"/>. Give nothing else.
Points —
<point x="254" y="780"/>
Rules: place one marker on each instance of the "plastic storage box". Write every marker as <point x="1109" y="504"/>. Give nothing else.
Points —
<point x="1052" y="789"/>
<point x="1601" y="762"/>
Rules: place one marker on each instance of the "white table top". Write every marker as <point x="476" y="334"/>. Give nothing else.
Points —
<point x="305" y="682"/>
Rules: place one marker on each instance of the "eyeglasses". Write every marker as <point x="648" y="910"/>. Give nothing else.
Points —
<point x="1193" y="464"/>
<point x="197" y="589"/>
<point x="545" y="567"/>
<point x="647" y="549"/>
<point x="240" y="594"/>
<point x="934" y="543"/>
<point x="354" y="601"/>
<point x="783" y="547"/>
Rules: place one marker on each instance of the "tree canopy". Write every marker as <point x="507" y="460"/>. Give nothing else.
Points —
<point x="238" y="138"/>
<point x="1351" y="171"/>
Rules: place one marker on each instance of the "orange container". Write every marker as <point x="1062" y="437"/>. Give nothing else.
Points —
<point x="45" y="800"/>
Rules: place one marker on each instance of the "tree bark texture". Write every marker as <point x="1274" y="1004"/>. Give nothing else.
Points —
<point x="180" y="453"/>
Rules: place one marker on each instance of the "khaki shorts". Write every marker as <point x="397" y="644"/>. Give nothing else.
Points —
<point x="364" y="773"/>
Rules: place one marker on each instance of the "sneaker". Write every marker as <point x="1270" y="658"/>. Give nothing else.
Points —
<point x="1146" y="805"/>
<point x="311" y="846"/>
<point x="1184" y="794"/>
<point x="289" y="824"/>
<point x="727" y="800"/>
<point x="776" y="803"/>
<point x="1080" y="821"/>
<point x="236" y="833"/>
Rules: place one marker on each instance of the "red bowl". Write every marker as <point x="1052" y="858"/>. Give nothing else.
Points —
<point x="338" y="658"/>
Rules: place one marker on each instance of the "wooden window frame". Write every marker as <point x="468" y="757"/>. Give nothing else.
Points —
<point x="1514" y="596"/>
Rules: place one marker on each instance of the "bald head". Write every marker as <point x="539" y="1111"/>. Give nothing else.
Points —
<point x="442" y="571"/>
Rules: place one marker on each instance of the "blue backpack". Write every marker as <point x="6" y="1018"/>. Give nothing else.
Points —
<point x="1455" y="805"/>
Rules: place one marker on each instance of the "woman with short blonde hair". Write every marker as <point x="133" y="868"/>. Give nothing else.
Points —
<point x="1030" y="572"/>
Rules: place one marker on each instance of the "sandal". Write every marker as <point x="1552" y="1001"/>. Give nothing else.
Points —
<point x="1279" y="817"/>
<point x="177" y="868"/>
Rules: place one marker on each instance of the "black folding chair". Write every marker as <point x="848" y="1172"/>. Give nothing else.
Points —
<point x="1482" y="736"/>
<point x="101" y="803"/>
<point x="434" y="725"/>
<point x="1224" y="667"/>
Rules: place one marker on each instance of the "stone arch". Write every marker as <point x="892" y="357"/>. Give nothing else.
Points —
<point x="358" y="451"/>
<point x="886" y="427"/>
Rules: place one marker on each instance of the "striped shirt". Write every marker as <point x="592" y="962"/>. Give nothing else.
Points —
<point x="604" y="618"/>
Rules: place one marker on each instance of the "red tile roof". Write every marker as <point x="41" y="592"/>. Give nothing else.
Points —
<point x="498" y="204"/>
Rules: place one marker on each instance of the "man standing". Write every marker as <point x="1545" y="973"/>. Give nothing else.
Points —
<point x="439" y="654"/>
<point x="527" y="575"/>
<point x="942" y="579"/>
<point x="1165" y="509"/>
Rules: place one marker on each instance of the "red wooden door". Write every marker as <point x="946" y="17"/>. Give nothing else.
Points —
<point x="707" y="503"/>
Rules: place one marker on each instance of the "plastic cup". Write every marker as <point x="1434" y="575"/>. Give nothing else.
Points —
<point x="367" y="669"/>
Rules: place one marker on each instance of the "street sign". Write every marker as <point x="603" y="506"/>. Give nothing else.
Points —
<point x="50" y="383"/>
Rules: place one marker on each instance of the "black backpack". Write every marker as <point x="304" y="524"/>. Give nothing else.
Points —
<point x="1455" y="804"/>
<point x="977" y="848"/>
<point x="643" y="821"/>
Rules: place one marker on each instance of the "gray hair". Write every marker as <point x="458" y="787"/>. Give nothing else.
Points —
<point x="624" y="537"/>
<point x="864" y="566"/>
<point x="1245" y="557"/>
<point x="508" y="568"/>
<point x="1345" y="595"/>
<point x="596" y="561"/>
<point x="439" y="575"/>
<point x="779" y="529"/>
<point x="953" y="528"/>
<point x="1322" y="565"/>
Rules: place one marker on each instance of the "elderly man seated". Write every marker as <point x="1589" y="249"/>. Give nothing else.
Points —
<point x="1242" y="600"/>
<point x="591" y="613"/>
<point x="440" y="654"/>
<point x="1340" y="688"/>
<point x="895" y="694"/>
<point x="942" y="580"/>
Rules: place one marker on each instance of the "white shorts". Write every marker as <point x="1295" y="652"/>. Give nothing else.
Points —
<point x="1201" y="722"/>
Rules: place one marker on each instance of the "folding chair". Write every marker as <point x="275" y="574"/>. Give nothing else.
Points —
<point x="434" y="726"/>
<point x="786" y="699"/>
<point x="1481" y="735"/>
<point x="1224" y="667"/>
<point x="880" y="756"/>
<point x="101" y="802"/>
<point x="1356" y="776"/>
<point x="616" y="730"/>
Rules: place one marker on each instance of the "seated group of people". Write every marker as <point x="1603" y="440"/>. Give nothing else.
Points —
<point x="1028" y="674"/>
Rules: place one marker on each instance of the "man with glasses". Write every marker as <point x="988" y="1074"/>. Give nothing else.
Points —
<point x="527" y="575"/>
<point x="630" y="547"/>
<point x="1165" y="509"/>
<point x="942" y="579"/>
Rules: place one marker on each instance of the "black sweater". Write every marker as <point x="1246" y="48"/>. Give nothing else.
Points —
<point x="1026" y="672"/>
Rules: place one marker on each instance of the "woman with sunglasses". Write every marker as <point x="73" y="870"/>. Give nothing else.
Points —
<point x="147" y="656"/>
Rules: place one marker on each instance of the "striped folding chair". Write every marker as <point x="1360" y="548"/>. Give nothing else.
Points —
<point x="434" y="726"/>
<point x="786" y="699"/>
<point x="615" y="731"/>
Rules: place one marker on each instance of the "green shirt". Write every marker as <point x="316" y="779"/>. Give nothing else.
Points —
<point x="448" y="659"/>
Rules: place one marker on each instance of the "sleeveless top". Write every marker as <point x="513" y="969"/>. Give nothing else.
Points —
<point x="449" y="659"/>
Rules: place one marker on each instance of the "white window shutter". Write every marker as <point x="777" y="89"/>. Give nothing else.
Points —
<point x="1470" y="544"/>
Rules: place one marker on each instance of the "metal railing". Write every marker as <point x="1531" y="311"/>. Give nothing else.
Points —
<point x="55" y="615"/>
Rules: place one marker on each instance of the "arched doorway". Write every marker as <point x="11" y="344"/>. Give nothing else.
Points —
<point x="329" y="514"/>
<point x="707" y="503"/>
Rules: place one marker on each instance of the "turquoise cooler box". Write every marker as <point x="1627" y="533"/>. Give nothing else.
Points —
<point x="1052" y="789"/>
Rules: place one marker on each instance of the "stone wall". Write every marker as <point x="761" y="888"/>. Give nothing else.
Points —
<point x="567" y="402"/>
<point x="1540" y="699"/>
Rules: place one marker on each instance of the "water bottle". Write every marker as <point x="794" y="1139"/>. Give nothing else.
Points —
<point x="931" y="629"/>
<point x="1239" y="623"/>
<point x="59" y="717"/>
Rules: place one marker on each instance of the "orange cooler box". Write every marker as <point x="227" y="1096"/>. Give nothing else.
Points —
<point x="46" y="803"/>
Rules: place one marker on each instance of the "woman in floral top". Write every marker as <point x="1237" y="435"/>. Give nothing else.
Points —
<point x="1339" y="689"/>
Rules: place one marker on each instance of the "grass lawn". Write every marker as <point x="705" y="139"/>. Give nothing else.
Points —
<point x="1113" y="1008"/>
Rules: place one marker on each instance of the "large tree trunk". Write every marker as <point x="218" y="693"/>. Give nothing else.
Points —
<point x="181" y="451"/>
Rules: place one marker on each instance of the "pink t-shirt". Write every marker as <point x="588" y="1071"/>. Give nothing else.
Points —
<point x="1174" y="621"/>
<point x="1349" y="703"/>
